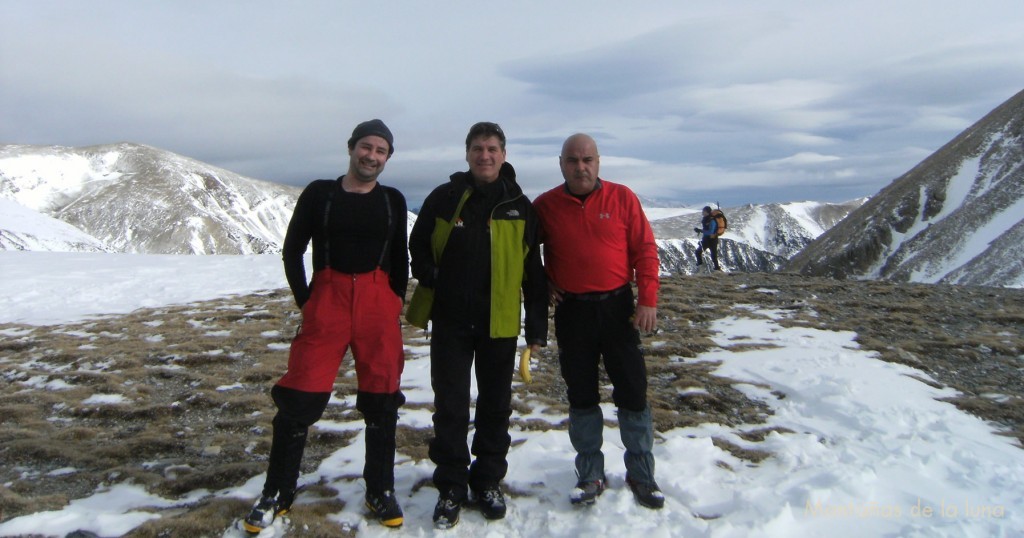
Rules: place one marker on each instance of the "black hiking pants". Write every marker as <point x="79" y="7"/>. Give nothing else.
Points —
<point x="710" y="243"/>
<point x="589" y="327"/>
<point x="453" y="349"/>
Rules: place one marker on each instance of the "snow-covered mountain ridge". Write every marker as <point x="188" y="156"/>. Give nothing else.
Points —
<point x="955" y="218"/>
<point x="134" y="198"/>
<point x="24" y="229"/>
<point x="137" y="199"/>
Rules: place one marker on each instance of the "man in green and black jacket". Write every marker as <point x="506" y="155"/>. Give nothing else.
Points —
<point x="490" y="256"/>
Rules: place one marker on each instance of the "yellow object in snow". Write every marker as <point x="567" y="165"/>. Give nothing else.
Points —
<point x="524" y="365"/>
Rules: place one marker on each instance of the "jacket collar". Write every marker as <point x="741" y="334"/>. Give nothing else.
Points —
<point x="506" y="175"/>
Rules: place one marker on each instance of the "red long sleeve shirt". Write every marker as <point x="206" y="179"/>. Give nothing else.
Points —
<point x="599" y="244"/>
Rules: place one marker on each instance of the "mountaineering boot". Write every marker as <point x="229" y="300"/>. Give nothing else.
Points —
<point x="446" y="511"/>
<point x="491" y="502"/>
<point x="384" y="507"/>
<point x="585" y="434"/>
<point x="647" y="493"/>
<point x="264" y="512"/>
<point x="586" y="492"/>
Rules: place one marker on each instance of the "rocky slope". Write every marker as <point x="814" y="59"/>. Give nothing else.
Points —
<point x="957" y="217"/>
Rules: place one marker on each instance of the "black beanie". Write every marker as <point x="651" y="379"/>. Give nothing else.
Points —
<point x="375" y="128"/>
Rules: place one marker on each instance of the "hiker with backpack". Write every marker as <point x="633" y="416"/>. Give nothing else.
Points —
<point x="360" y="271"/>
<point x="712" y="227"/>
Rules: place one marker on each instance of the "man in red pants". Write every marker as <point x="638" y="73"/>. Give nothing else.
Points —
<point x="360" y="271"/>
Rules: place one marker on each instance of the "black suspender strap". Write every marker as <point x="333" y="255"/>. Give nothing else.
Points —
<point x="387" y="238"/>
<point x="327" y="220"/>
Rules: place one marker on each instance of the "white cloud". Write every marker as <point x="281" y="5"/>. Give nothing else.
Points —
<point x="803" y="158"/>
<point x="805" y="139"/>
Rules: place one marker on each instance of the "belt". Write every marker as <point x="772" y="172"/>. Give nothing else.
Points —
<point x="595" y="295"/>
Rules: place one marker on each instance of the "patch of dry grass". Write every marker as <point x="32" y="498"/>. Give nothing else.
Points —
<point x="752" y="455"/>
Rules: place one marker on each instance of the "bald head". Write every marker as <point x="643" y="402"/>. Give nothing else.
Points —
<point x="580" y="163"/>
<point x="579" y="139"/>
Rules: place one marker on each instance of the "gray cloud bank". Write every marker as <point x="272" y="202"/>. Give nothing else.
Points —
<point x="744" y="102"/>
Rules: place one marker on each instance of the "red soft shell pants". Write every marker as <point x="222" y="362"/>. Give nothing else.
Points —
<point x="358" y="310"/>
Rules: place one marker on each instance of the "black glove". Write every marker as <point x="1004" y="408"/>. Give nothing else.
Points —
<point x="698" y="230"/>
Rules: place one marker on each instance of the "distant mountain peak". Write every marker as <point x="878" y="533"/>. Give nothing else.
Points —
<point x="136" y="198"/>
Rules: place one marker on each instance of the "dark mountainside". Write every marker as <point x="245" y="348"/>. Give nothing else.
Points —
<point x="182" y="434"/>
<point x="942" y="222"/>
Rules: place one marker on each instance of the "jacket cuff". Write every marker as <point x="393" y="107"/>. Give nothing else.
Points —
<point x="648" y="298"/>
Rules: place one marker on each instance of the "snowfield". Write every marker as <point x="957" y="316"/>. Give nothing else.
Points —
<point x="872" y="451"/>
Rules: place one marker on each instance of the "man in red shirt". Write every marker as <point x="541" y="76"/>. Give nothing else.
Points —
<point x="597" y="240"/>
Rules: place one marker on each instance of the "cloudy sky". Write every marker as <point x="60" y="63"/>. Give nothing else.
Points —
<point x="739" y="101"/>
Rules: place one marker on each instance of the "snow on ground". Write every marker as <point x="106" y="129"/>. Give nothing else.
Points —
<point x="40" y="288"/>
<point x="40" y="181"/>
<point x="22" y="228"/>
<point x="801" y="212"/>
<point x="873" y="451"/>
